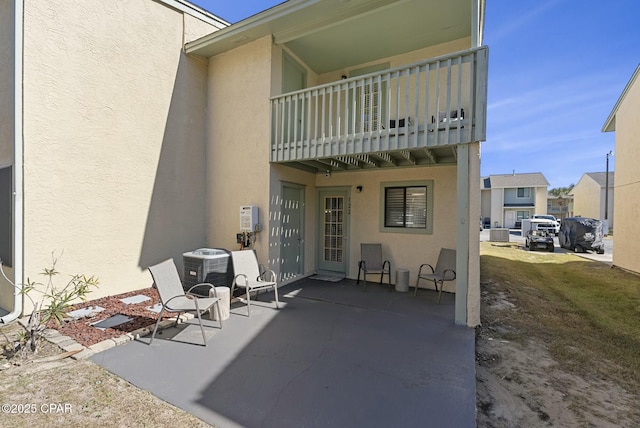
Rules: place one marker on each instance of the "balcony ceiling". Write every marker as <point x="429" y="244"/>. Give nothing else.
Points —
<point x="331" y="35"/>
<point x="434" y="156"/>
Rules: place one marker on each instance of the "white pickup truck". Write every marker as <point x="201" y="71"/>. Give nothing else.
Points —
<point x="553" y="228"/>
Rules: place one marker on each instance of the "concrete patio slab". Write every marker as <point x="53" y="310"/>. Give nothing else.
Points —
<point x="331" y="356"/>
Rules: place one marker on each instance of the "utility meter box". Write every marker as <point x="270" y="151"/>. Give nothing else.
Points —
<point x="248" y="218"/>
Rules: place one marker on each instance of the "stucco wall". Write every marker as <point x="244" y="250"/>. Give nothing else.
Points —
<point x="627" y="182"/>
<point x="238" y="142"/>
<point x="497" y="207"/>
<point x="587" y="198"/>
<point x="114" y="140"/>
<point x="540" y="200"/>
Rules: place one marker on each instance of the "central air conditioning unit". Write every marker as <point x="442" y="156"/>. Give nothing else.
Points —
<point x="212" y="265"/>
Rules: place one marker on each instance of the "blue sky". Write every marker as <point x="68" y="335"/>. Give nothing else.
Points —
<point x="556" y="69"/>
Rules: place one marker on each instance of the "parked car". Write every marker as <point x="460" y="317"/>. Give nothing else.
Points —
<point x="581" y="234"/>
<point x="539" y="240"/>
<point x="556" y="223"/>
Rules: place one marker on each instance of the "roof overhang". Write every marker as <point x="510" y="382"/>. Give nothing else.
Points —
<point x="610" y="124"/>
<point x="197" y="12"/>
<point x="329" y="35"/>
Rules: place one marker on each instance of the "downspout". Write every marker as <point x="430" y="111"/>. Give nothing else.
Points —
<point x="17" y="163"/>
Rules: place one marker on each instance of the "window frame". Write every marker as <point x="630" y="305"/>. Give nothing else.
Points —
<point x="526" y="192"/>
<point x="428" y="184"/>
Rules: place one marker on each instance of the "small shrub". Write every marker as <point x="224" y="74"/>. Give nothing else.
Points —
<point x="53" y="302"/>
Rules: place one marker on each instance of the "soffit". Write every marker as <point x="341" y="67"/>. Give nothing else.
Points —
<point x="330" y="35"/>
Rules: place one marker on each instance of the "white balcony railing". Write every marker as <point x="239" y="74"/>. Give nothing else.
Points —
<point x="438" y="102"/>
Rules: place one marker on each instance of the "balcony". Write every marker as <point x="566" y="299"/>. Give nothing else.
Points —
<point x="411" y="115"/>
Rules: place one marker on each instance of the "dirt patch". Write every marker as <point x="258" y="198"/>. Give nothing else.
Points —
<point x="80" y="393"/>
<point x="47" y="388"/>
<point x="520" y="384"/>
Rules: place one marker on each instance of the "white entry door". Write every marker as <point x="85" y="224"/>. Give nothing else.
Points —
<point x="333" y="231"/>
<point x="510" y="219"/>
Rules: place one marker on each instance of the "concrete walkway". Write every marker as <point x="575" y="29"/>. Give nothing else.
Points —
<point x="332" y="356"/>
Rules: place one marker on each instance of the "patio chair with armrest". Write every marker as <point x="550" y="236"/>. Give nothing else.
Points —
<point x="371" y="263"/>
<point x="174" y="299"/>
<point x="248" y="276"/>
<point x="445" y="270"/>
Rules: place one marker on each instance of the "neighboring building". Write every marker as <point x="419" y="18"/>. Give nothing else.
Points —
<point x="509" y="198"/>
<point x="105" y="141"/>
<point x="589" y="196"/>
<point x="625" y="121"/>
<point x="343" y="122"/>
<point x="560" y="206"/>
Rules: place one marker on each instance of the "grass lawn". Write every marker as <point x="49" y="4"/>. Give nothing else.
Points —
<point x="587" y="313"/>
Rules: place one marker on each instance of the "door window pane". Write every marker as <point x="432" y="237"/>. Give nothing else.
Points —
<point x="333" y="228"/>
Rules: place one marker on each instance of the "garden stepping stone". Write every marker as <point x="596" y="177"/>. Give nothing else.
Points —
<point x="112" y="321"/>
<point x="84" y="312"/>
<point x="155" y="308"/>
<point x="138" y="298"/>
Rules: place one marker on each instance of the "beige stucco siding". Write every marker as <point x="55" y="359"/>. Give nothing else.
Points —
<point x="238" y="142"/>
<point x="497" y="207"/>
<point x="541" y="200"/>
<point x="587" y="197"/>
<point x="114" y="140"/>
<point x="627" y="181"/>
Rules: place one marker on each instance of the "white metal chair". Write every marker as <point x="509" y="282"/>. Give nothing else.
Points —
<point x="175" y="300"/>
<point x="445" y="270"/>
<point x="371" y="263"/>
<point x="247" y="275"/>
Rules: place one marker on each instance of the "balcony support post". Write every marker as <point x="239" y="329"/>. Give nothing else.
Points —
<point x="462" y="236"/>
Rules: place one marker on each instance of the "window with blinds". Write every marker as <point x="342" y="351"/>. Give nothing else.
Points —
<point x="405" y="207"/>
